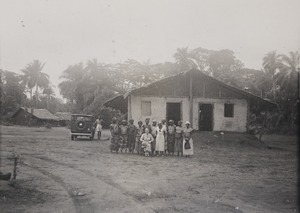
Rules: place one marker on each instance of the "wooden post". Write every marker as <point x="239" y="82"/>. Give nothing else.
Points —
<point x="191" y="98"/>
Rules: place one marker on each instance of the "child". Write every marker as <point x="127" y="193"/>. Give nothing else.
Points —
<point x="123" y="136"/>
<point x="131" y="135"/>
<point x="146" y="139"/>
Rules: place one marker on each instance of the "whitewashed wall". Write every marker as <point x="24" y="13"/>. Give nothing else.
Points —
<point x="158" y="107"/>
<point x="220" y="123"/>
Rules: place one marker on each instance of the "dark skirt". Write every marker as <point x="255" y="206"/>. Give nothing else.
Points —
<point x="131" y="142"/>
<point x="178" y="142"/>
<point x="171" y="143"/>
<point x="114" y="143"/>
<point x="123" y="141"/>
<point x="138" y="143"/>
<point x="153" y="144"/>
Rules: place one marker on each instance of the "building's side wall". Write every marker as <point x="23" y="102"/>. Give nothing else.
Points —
<point x="20" y="118"/>
<point x="23" y="118"/>
<point x="158" y="107"/>
<point x="220" y="123"/>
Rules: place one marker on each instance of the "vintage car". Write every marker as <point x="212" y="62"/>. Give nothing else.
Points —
<point x="82" y="125"/>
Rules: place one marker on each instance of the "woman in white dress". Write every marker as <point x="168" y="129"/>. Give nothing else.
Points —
<point x="164" y="127"/>
<point x="187" y="148"/>
<point x="160" y="140"/>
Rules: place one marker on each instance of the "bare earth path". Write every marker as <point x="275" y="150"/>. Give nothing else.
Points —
<point x="236" y="174"/>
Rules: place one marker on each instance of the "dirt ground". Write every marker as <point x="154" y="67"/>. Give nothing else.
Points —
<point x="235" y="173"/>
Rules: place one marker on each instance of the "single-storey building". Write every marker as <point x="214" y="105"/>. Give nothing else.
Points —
<point x="35" y="117"/>
<point x="209" y="104"/>
<point x="64" y="118"/>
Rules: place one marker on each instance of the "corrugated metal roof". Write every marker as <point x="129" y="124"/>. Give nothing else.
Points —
<point x="42" y="114"/>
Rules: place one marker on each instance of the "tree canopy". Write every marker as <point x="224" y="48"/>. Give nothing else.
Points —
<point x="87" y="85"/>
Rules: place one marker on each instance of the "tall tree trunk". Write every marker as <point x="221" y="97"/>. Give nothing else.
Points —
<point x="36" y="97"/>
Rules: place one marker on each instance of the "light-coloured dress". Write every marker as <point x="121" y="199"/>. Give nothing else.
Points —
<point x="146" y="141"/>
<point x="160" y="140"/>
<point x="187" y="135"/>
<point x="99" y="126"/>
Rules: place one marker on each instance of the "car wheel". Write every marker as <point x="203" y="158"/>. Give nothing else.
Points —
<point x="72" y="137"/>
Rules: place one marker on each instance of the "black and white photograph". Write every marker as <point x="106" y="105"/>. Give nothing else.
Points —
<point x="146" y="106"/>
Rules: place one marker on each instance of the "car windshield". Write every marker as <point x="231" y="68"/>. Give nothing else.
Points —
<point x="82" y="118"/>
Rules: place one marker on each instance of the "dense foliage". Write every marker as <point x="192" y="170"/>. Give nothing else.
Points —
<point x="86" y="86"/>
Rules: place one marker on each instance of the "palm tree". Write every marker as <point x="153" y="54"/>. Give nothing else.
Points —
<point x="271" y="65"/>
<point x="288" y="79"/>
<point x="288" y="74"/>
<point x="185" y="59"/>
<point x="34" y="77"/>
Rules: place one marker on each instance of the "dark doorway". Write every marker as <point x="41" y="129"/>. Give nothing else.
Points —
<point x="174" y="112"/>
<point x="205" y="117"/>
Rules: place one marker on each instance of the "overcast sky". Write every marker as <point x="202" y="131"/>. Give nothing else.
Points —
<point x="65" y="32"/>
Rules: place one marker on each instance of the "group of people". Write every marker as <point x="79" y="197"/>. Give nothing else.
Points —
<point x="156" y="139"/>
